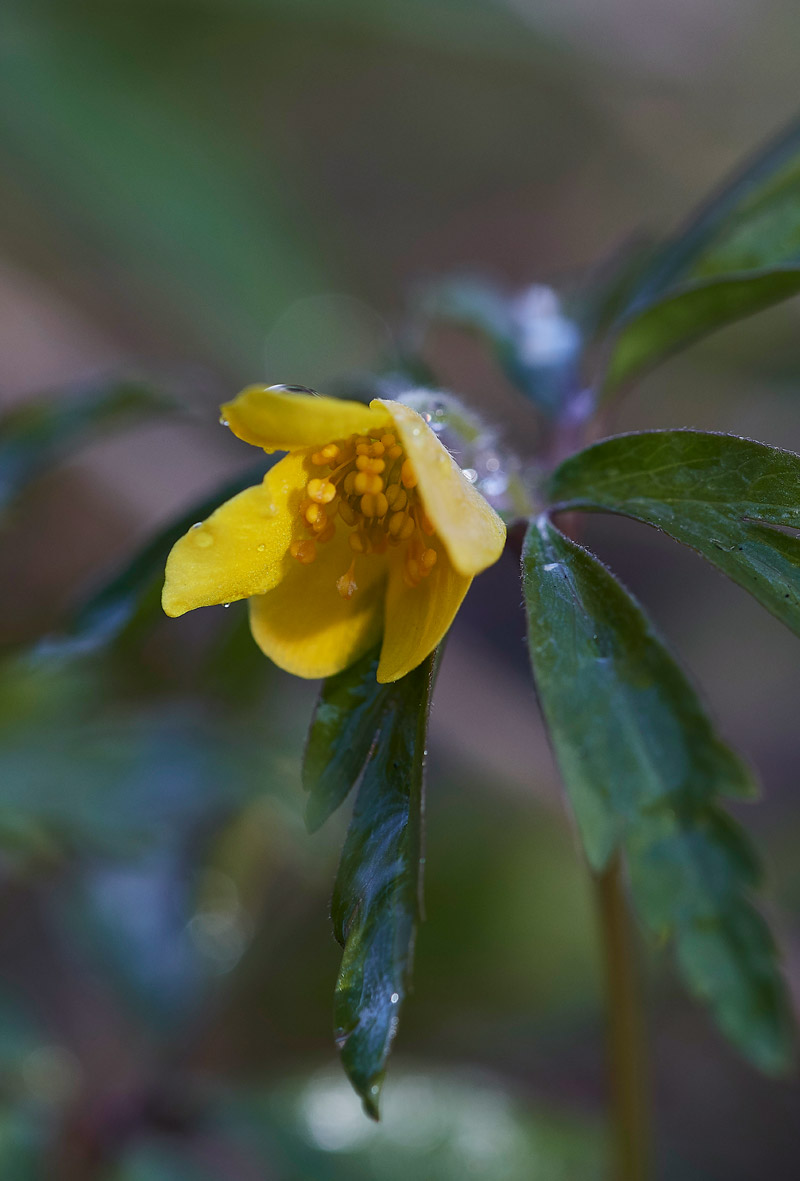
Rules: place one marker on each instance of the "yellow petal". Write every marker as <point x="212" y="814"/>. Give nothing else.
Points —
<point x="306" y="627"/>
<point x="239" y="550"/>
<point x="471" y="530"/>
<point x="277" y="420"/>
<point x="418" y="617"/>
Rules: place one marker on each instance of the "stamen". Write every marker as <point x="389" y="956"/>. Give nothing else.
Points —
<point x="369" y="487"/>
<point x="322" y="491"/>
<point x="304" y="551"/>
<point x="347" y="585"/>
<point x="367" y="482"/>
<point x="408" y="475"/>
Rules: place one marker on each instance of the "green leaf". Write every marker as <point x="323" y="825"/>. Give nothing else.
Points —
<point x="752" y="222"/>
<point x="728" y="498"/>
<point x="41" y="432"/>
<point x="117" y="602"/>
<point x="346" y="719"/>
<point x="376" y="901"/>
<point x="683" y="316"/>
<point x="738" y="254"/>
<point x="644" y="770"/>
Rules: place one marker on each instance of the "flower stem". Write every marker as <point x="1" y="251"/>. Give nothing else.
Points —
<point x="627" y="1060"/>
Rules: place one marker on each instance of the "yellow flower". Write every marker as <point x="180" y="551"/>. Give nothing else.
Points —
<point x="366" y="529"/>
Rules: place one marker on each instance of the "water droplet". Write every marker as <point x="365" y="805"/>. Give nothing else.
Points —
<point x="394" y="998"/>
<point x="226" y="605"/>
<point x="203" y="540"/>
<point x="223" y="420"/>
<point x="470" y="474"/>
<point x="550" y="567"/>
<point x="293" y="389"/>
<point x="197" y="525"/>
<point x="261" y="548"/>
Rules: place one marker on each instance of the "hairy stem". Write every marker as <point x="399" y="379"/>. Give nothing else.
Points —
<point x="628" y="1069"/>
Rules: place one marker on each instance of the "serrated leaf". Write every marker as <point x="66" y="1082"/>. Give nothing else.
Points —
<point x="376" y="901"/>
<point x="36" y="435"/>
<point x="726" y="497"/>
<point x="644" y="769"/>
<point x="648" y="336"/>
<point x="343" y="728"/>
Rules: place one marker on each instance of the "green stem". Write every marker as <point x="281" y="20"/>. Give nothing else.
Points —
<point x="628" y="1070"/>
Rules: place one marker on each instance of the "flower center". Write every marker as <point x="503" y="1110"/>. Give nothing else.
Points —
<point x="367" y="485"/>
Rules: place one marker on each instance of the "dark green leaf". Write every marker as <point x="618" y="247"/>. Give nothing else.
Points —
<point x="41" y="432"/>
<point x="648" y="336"/>
<point x="115" y="604"/>
<point x="346" y="719"/>
<point x="728" y="498"/>
<point x="752" y="222"/>
<point x="644" y="770"/>
<point x="376" y="901"/>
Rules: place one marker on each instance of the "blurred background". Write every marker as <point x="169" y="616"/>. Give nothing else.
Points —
<point x="199" y="195"/>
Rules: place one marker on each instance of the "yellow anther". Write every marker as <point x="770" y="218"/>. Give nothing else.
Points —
<point x="314" y="513"/>
<point x="377" y="449"/>
<point x="394" y="452"/>
<point x="425" y="523"/>
<point x="349" y="483"/>
<point x="396" y="522"/>
<point x="322" y="491"/>
<point x="363" y="446"/>
<point x="358" y="543"/>
<point x="367" y="482"/>
<point x="428" y="560"/>
<point x="348" y="513"/>
<point x="408" y="475"/>
<point x="319" y="459"/>
<point x="304" y="551"/>
<point x="374" y="504"/>
<point x="347" y="585"/>
<point x="392" y="491"/>
<point x="387" y="441"/>
<point x="365" y="464"/>
<point x="408" y="529"/>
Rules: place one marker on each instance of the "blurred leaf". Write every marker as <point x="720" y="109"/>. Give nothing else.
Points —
<point x="376" y="899"/>
<point x="739" y="254"/>
<point x="647" y="337"/>
<point x="751" y="223"/>
<point x="435" y="1126"/>
<point x="136" y="587"/>
<point x="728" y="498"/>
<point x="165" y="188"/>
<point x="644" y="769"/>
<point x="346" y="719"/>
<point x="36" y="435"/>
<point x="535" y="344"/>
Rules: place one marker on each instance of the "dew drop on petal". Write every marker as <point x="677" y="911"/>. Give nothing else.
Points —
<point x="223" y="420"/>
<point x="470" y="474"/>
<point x="226" y="605"/>
<point x="261" y="548"/>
